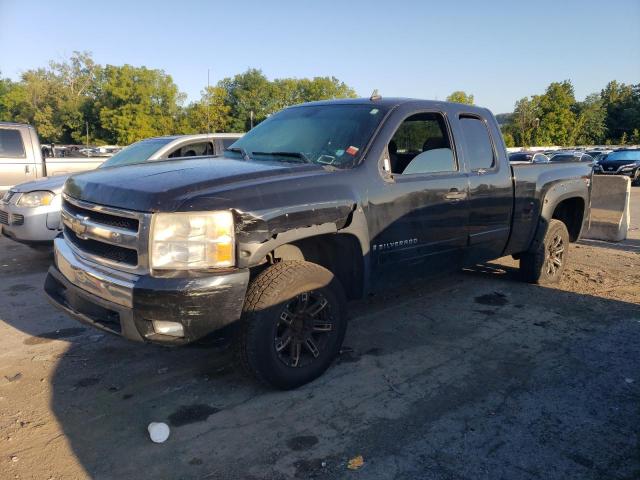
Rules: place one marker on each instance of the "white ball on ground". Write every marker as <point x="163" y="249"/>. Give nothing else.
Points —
<point x="158" y="431"/>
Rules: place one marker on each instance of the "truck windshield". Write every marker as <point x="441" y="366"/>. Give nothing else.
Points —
<point x="324" y="134"/>
<point x="136" y="153"/>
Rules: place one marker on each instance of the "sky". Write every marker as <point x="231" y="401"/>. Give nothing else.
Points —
<point x="500" y="51"/>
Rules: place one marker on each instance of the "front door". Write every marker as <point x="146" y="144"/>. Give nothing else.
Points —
<point x="420" y="214"/>
<point x="16" y="163"/>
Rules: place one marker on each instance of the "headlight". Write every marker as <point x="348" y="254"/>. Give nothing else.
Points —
<point x="183" y="241"/>
<point x="627" y="168"/>
<point x="35" y="199"/>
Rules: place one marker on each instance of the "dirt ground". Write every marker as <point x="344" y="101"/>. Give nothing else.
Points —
<point x="476" y="376"/>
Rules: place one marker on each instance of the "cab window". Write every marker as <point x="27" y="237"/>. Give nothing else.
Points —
<point x="478" y="147"/>
<point x="11" y="145"/>
<point x="421" y="145"/>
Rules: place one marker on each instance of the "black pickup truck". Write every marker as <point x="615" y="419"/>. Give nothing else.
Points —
<point x="321" y="203"/>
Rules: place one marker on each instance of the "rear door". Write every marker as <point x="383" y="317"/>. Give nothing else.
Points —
<point x="16" y="158"/>
<point x="490" y="188"/>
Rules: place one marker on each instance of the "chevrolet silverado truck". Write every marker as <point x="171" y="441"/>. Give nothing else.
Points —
<point x="319" y="204"/>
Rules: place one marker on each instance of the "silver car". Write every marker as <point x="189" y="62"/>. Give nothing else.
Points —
<point x="30" y="212"/>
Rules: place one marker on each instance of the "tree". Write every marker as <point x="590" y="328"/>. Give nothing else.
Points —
<point x="209" y="114"/>
<point x="590" y="127"/>
<point x="557" y="119"/>
<point x="622" y="103"/>
<point x="508" y="139"/>
<point x="460" y="97"/>
<point x="133" y="103"/>
<point x="250" y="95"/>
<point x="524" y="122"/>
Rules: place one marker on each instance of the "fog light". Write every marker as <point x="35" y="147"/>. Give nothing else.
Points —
<point x="174" y="329"/>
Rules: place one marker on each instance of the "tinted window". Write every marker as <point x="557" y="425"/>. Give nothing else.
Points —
<point x="421" y="145"/>
<point x="520" y="157"/>
<point x="11" y="145"/>
<point x="477" y="142"/>
<point x="227" y="142"/>
<point x="193" y="150"/>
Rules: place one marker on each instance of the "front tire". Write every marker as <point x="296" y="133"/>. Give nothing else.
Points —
<point x="545" y="261"/>
<point x="294" y="321"/>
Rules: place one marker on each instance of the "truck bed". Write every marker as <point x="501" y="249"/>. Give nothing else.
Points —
<point x="531" y="183"/>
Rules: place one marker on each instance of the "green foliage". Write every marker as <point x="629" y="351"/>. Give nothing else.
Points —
<point x="252" y="94"/>
<point x="508" y="139"/>
<point x="133" y="103"/>
<point x="557" y="120"/>
<point x="590" y="128"/>
<point x="460" y="97"/>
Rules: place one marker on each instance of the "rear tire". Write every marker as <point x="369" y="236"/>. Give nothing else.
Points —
<point x="545" y="261"/>
<point x="293" y="324"/>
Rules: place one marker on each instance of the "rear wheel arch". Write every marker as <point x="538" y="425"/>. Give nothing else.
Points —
<point x="570" y="210"/>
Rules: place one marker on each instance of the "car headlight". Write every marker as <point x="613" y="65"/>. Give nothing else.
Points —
<point x="183" y="241"/>
<point x="627" y="168"/>
<point x="35" y="199"/>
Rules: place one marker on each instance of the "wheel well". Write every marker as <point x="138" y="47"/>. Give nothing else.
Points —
<point x="339" y="253"/>
<point x="571" y="213"/>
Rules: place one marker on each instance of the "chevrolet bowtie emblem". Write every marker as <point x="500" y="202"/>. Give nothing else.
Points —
<point x="78" y="226"/>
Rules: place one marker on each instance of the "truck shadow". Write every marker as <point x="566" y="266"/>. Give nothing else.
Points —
<point x="421" y="361"/>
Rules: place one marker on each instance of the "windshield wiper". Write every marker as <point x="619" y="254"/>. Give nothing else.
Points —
<point x="241" y="151"/>
<point x="299" y="155"/>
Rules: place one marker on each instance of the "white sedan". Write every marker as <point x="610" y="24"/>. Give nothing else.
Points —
<point x="30" y="212"/>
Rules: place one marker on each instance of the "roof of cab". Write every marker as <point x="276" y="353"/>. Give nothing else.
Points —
<point x="392" y="102"/>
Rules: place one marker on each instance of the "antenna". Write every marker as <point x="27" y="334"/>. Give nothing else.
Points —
<point x="375" y="96"/>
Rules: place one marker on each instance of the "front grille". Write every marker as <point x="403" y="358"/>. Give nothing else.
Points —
<point x="104" y="250"/>
<point x="114" y="237"/>
<point x="103" y="218"/>
<point x="4" y="217"/>
<point x="17" y="219"/>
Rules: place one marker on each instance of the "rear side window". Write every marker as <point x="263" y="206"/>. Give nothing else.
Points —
<point x="478" y="147"/>
<point x="11" y="145"/>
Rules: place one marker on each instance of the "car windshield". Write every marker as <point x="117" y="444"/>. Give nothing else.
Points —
<point x="136" y="153"/>
<point x="324" y="134"/>
<point x="624" y="155"/>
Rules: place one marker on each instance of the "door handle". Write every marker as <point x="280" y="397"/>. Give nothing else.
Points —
<point x="27" y="169"/>
<point x="455" y="195"/>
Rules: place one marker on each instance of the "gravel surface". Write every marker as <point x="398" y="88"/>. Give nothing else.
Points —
<point x="476" y="376"/>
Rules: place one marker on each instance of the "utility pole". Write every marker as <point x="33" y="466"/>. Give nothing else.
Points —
<point x="208" y="104"/>
<point x="251" y="118"/>
<point x="87" y="125"/>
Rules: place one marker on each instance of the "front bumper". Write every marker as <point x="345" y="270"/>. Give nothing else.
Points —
<point x="126" y="304"/>
<point x="30" y="225"/>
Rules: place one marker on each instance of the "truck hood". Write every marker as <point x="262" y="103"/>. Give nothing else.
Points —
<point x="52" y="184"/>
<point x="168" y="185"/>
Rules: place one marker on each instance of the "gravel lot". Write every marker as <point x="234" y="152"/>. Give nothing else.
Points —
<point x="473" y="376"/>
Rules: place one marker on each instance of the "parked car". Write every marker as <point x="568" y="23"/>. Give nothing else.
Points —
<point x="320" y="203"/>
<point x="30" y="212"/>
<point x="21" y="157"/>
<point x="621" y="162"/>
<point x="572" y="156"/>
<point x="528" y="157"/>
